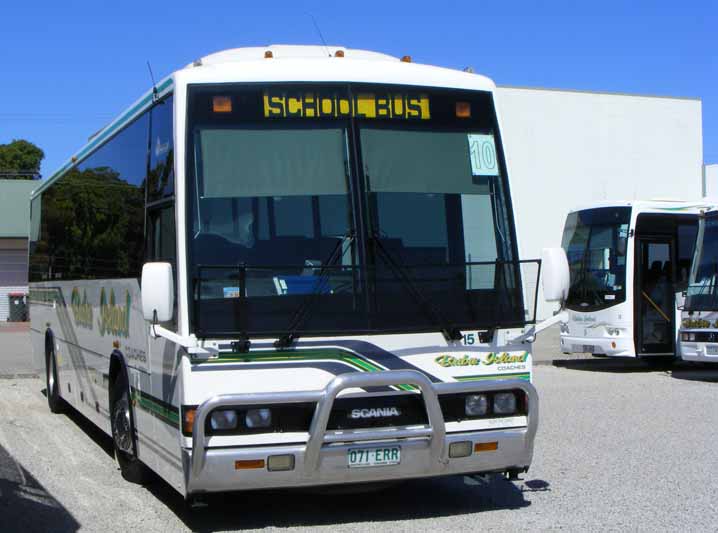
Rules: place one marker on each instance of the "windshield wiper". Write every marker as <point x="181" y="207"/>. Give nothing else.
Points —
<point x="304" y="308"/>
<point x="450" y="332"/>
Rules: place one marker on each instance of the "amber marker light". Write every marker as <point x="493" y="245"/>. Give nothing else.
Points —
<point x="188" y="414"/>
<point x="339" y="53"/>
<point x="221" y="104"/>
<point x="268" y="54"/>
<point x="406" y="59"/>
<point x="249" y="464"/>
<point x="463" y="110"/>
<point x="486" y="446"/>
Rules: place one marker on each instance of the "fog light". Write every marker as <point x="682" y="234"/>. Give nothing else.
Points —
<point x="692" y="337"/>
<point x="504" y="403"/>
<point x="258" y="418"/>
<point x="277" y="463"/>
<point x="476" y="405"/>
<point x="223" y="420"/>
<point x="460" y="449"/>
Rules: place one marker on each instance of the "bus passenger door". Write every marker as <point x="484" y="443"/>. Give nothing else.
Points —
<point x="655" y="298"/>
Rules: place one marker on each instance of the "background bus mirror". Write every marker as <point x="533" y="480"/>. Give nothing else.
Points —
<point x="554" y="274"/>
<point x="157" y="291"/>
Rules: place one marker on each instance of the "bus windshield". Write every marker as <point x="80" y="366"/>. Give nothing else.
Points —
<point x="595" y="243"/>
<point x="702" y="292"/>
<point x="359" y="208"/>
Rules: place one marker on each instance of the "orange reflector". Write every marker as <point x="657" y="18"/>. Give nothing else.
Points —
<point x="486" y="446"/>
<point x="406" y="59"/>
<point x="268" y="54"/>
<point x="613" y="345"/>
<point x="463" y="109"/>
<point x="221" y="104"/>
<point x="188" y="419"/>
<point x="249" y="463"/>
<point x="339" y="53"/>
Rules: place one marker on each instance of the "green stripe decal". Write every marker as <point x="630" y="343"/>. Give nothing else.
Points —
<point x="359" y="363"/>
<point x="147" y="403"/>
<point x="520" y="375"/>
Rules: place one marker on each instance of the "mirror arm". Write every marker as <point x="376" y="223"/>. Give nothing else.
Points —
<point x="530" y="335"/>
<point x="190" y="343"/>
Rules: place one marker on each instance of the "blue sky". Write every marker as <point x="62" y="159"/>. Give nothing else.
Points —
<point x="69" y="67"/>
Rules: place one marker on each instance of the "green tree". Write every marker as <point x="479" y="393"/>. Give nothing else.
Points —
<point x="20" y="160"/>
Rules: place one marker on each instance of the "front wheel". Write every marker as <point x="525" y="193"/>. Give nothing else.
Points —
<point x="123" y="434"/>
<point x="52" y="385"/>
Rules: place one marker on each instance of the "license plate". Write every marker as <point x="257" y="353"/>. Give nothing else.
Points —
<point x="712" y="349"/>
<point x="362" y="457"/>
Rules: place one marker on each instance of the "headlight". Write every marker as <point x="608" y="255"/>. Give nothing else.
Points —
<point x="223" y="420"/>
<point x="258" y="418"/>
<point x="504" y="403"/>
<point x="476" y="405"/>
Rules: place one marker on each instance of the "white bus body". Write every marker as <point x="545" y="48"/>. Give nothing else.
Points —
<point x="629" y="265"/>
<point x="699" y="316"/>
<point x="343" y="273"/>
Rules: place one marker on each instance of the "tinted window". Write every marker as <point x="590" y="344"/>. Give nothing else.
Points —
<point x="161" y="180"/>
<point x="91" y="221"/>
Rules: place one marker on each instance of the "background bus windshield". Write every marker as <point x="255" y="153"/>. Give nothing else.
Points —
<point x="595" y="243"/>
<point x="702" y="291"/>
<point x="347" y="209"/>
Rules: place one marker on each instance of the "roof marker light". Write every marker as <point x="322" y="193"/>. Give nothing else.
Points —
<point x="268" y="54"/>
<point x="221" y="104"/>
<point x="463" y="109"/>
<point x="339" y="53"/>
<point x="406" y="59"/>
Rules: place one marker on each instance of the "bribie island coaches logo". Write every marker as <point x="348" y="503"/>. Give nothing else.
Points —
<point x="114" y="318"/>
<point x="491" y="358"/>
<point x="81" y="309"/>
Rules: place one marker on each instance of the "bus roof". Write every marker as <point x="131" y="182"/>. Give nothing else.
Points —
<point x="286" y="63"/>
<point x="656" y="206"/>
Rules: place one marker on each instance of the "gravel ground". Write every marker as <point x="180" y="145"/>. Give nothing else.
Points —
<point x="619" y="447"/>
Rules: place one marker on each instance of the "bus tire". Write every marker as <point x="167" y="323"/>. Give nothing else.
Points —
<point x="124" y="440"/>
<point x="52" y="385"/>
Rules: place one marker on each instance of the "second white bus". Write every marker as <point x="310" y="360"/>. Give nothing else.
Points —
<point x="629" y="265"/>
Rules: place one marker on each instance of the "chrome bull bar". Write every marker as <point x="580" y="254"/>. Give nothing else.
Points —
<point x="324" y="399"/>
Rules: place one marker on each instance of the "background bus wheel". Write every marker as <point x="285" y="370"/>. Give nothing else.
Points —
<point x="123" y="434"/>
<point x="52" y="388"/>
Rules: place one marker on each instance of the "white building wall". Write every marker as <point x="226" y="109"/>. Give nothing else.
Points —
<point x="710" y="181"/>
<point x="567" y="149"/>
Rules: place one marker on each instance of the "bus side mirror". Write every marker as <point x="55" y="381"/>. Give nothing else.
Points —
<point x="555" y="274"/>
<point x="157" y="292"/>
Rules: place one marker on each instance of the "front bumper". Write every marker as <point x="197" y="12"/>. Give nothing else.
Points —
<point x="697" y="352"/>
<point x="322" y="460"/>
<point x="615" y="346"/>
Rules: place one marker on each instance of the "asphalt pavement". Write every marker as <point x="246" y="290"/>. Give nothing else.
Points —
<point x="620" y="447"/>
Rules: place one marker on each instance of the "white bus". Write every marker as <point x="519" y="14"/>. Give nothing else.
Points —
<point x="291" y="266"/>
<point x="699" y="324"/>
<point x="629" y="264"/>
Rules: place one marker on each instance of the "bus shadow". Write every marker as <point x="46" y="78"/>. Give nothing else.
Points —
<point x="693" y="372"/>
<point x="429" y="498"/>
<point x="98" y="436"/>
<point x="25" y="505"/>
<point x="613" y="365"/>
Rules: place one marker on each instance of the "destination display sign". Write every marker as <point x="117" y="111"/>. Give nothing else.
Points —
<point x="399" y="106"/>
